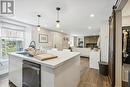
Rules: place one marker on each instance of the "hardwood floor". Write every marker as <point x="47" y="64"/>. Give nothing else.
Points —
<point x="92" y="78"/>
<point x="89" y="77"/>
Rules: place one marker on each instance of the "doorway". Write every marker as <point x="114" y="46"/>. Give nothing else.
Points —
<point x="117" y="46"/>
<point x="125" y="44"/>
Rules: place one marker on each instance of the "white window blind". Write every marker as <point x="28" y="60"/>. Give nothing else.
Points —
<point x="12" y="31"/>
<point x="11" y="38"/>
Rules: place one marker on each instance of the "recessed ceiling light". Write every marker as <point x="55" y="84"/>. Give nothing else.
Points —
<point x="92" y="15"/>
<point x="89" y="27"/>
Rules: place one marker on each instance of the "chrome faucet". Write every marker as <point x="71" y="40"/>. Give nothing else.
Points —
<point x="33" y="44"/>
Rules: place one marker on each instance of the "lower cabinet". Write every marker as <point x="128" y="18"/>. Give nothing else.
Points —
<point x="15" y="71"/>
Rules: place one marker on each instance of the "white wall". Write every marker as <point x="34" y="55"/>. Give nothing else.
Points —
<point x="126" y="21"/>
<point x="104" y="41"/>
<point x="35" y="37"/>
<point x="54" y="39"/>
<point x="28" y="35"/>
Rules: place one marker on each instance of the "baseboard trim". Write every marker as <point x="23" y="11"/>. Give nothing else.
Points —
<point x="84" y="57"/>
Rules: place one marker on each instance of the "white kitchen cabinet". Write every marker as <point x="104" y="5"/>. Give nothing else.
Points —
<point x="3" y="66"/>
<point x="60" y="41"/>
<point x="57" y="41"/>
<point x="94" y="59"/>
<point x="15" y="70"/>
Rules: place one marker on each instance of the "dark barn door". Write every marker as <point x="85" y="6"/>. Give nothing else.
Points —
<point x="112" y="32"/>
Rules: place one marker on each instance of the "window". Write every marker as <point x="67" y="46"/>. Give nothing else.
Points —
<point x="12" y="40"/>
<point x="11" y="46"/>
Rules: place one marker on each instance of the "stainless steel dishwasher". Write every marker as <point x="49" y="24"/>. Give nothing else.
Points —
<point x="31" y="74"/>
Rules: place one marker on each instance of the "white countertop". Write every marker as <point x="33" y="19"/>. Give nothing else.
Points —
<point x="52" y="63"/>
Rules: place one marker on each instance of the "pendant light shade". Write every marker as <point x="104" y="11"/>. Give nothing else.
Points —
<point x="58" y="24"/>
<point x="58" y="21"/>
<point x="38" y="26"/>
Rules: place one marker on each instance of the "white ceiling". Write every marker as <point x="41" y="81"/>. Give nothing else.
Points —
<point x="74" y="15"/>
<point x="126" y="9"/>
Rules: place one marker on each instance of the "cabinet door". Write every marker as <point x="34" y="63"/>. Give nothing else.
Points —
<point x="57" y="42"/>
<point x="15" y="70"/>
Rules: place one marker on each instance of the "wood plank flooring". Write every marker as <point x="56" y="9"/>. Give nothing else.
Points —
<point x="89" y="77"/>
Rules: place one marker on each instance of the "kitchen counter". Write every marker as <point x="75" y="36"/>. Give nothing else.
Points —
<point x="52" y="63"/>
<point x="63" y="71"/>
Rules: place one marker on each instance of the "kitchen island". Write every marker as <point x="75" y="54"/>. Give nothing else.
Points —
<point x="63" y="71"/>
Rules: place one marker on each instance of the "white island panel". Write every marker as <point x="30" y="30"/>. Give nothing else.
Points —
<point x="15" y="70"/>
<point x="63" y="71"/>
<point x="68" y="75"/>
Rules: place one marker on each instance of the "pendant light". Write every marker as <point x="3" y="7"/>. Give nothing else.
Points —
<point x="38" y="26"/>
<point x="58" y="21"/>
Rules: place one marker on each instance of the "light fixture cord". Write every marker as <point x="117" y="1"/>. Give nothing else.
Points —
<point x="38" y="20"/>
<point x="58" y="15"/>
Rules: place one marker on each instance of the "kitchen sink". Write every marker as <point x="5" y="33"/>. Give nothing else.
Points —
<point x="25" y="54"/>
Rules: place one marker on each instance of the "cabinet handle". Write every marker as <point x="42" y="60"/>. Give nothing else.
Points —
<point x="35" y="68"/>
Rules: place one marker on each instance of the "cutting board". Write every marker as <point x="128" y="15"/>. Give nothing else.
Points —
<point x="43" y="57"/>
